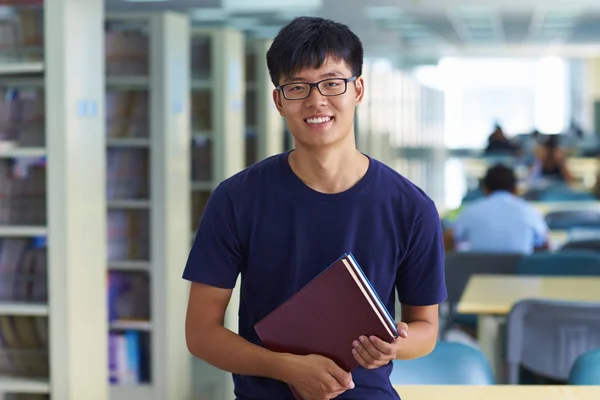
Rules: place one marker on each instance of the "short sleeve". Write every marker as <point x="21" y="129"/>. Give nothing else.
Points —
<point x="420" y="279"/>
<point x="216" y="255"/>
<point x="540" y="228"/>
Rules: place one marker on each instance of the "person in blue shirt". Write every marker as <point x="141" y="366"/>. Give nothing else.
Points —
<point x="500" y="222"/>
<point x="283" y="220"/>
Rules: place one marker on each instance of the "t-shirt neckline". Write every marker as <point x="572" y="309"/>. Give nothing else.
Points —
<point x="304" y="190"/>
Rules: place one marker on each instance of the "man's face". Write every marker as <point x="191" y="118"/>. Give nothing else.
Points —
<point x="318" y="120"/>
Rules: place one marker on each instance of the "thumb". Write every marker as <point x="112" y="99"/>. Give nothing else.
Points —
<point x="344" y="378"/>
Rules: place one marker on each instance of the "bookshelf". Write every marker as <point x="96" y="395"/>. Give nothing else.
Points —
<point x="148" y="207"/>
<point x="251" y="103"/>
<point x="218" y="150"/>
<point x="262" y="117"/>
<point x="52" y="233"/>
<point x="217" y="117"/>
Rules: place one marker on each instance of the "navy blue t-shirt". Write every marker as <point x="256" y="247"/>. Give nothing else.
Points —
<point x="267" y="225"/>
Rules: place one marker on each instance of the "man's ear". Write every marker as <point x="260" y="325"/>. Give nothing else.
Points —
<point x="359" y="84"/>
<point x="277" y="101"/>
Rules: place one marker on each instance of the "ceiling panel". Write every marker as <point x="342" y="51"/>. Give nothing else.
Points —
<point x="516" y="25"/>
<point x="398" y="27"/>
<point x="439" y="24"/>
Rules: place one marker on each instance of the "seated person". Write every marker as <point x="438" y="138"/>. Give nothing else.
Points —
<point x="550" y="162"/>
<point x="500" y="222"/>
<point x="498" y="143"/>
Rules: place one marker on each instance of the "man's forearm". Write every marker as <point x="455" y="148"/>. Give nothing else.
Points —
<point x="421" y="340"/>
<point x="230" y="352"/>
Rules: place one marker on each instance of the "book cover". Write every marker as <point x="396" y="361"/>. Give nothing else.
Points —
<point x="327" y="315"/>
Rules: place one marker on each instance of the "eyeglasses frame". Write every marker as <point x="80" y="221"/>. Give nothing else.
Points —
<point x="316" y="85"/>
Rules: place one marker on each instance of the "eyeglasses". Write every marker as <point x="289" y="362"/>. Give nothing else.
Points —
<point x="327" y="87"/>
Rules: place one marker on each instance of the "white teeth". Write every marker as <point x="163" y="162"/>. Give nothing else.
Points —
<point x="320" y="120"/>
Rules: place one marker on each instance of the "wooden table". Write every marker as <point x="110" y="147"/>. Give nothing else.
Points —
<point x="557" y="239"/>
<point x="546" y="207"/>
<point x="491" y="297"/>
<point x="498" y="392"/>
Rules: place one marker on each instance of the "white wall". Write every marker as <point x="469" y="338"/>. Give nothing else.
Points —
<point x="521" y="94"/>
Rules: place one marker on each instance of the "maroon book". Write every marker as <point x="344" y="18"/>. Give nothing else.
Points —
<point x="327" y="315"/>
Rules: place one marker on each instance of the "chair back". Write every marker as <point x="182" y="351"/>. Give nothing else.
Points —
<point x="450" y="363"/>
<point x="461" y="265"/>
<point x="565" y="195"/>
<point x="546" y="337"/>
<point x="564" y="262"/>
<point x="588" y="244"/>
<point x="568" y="219"/>
<point x="586" y="369"/>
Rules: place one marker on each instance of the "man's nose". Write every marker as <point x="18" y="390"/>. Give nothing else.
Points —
<point x="315" y="98"/>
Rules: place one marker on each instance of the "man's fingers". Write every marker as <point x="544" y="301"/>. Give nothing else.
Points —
<point x="361" y="360"/>
<point x="382" y="346"/>
<point x="375" y="354"/>
<point x="402" y="329"/>
<point x="344" y="378"/>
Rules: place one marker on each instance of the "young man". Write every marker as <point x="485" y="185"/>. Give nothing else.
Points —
<point x="501" y="222"/>
<point x="280" y="222"/>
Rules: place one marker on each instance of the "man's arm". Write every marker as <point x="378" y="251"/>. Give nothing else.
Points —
<point x="420" y="281"/>
<point x="208" y="339"/>
<point x="422" y="335"/>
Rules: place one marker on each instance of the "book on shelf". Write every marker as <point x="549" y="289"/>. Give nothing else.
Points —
<point x="22" y="117"/>
<point x="22" y="32"/>
<point x="127" y="174"/>
<point x="200" y="55"/>
<point x="127" y="51"/>
<point x="327" y="315"/>
<point x="128" y="235"/>
<point x="23" y="279"/>
<point x="127" y="113"/>
<point x="26" y="396"/>
<point x="128" y="300"/>
<point x="128" y="296"/>
<point x="128" y="357"/>
<point x="23" y="191"/>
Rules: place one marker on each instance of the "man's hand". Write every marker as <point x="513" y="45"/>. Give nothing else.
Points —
<point x="373" y="352"/>
<point x="317" y="378"/>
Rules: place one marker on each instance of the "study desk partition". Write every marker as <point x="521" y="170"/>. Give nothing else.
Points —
<point x="498" y="392"/>
<point x="492" y="297"/>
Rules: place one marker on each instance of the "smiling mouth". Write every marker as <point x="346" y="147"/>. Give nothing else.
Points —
<point x="318" y="121"/>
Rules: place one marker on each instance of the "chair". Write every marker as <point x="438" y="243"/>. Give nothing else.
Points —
<point x="546" y="337"/>
<point x="568" y="219"/>
<point x="450" y="363"/>
<point x="565" y="195"/>
<point x="592" y="244"/>
<point x="459" y="268"/>
<point x="586" y="369"/>
<point x="564" y="262"/>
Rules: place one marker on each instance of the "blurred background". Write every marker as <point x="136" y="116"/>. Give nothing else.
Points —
<point x="119" y="117"/>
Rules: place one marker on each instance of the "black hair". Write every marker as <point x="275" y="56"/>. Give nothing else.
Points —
<point x="307" y="41"/>
<point x="500" y="177"/>
<point x="552" y="142"/>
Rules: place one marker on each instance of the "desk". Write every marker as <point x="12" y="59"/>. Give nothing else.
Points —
<point x="498" y="392"/>
<point x="491" y="297"/>
<point x="496" y="294"/>
<point x="547" y="207"/>
<point x="557" y="239"/>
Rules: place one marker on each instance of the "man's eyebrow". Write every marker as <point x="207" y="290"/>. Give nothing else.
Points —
<point x="332" y="74"/>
